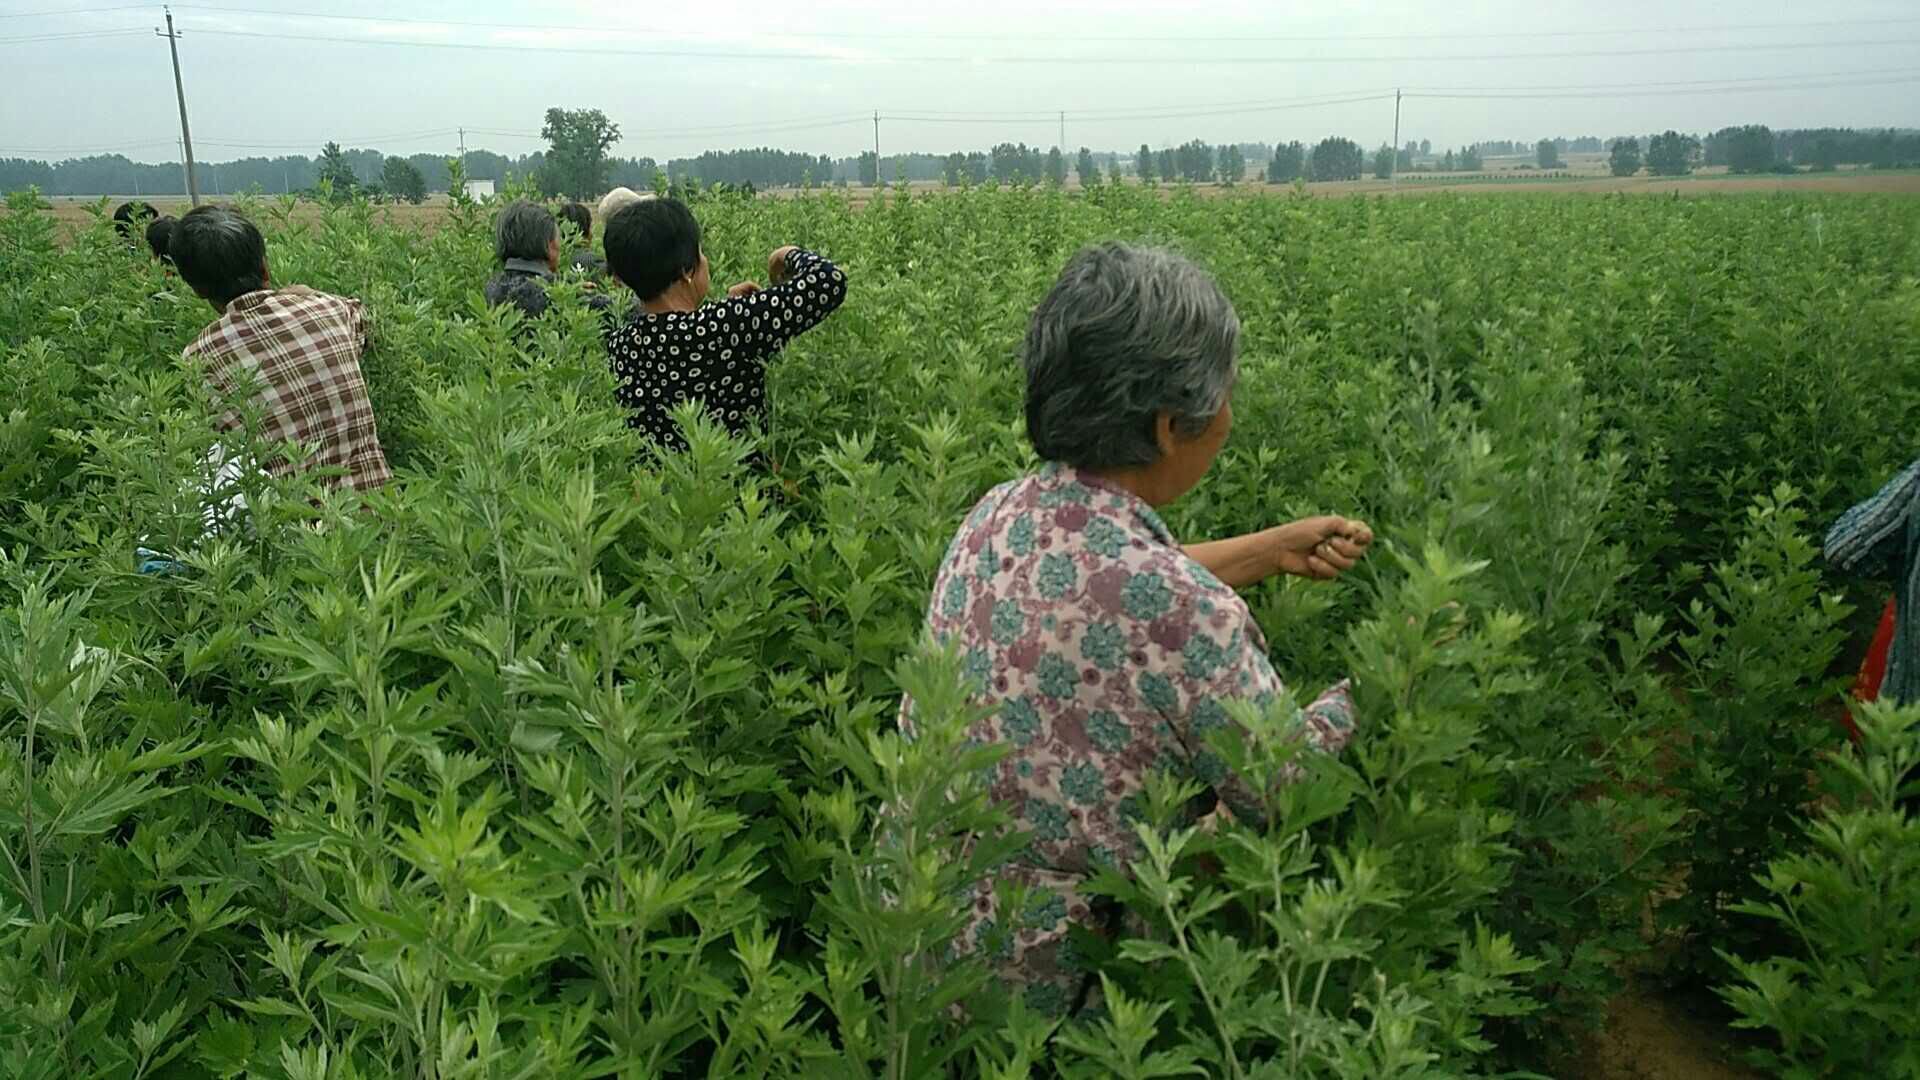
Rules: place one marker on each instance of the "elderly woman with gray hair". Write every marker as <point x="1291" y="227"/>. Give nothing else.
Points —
<point x="526" y="240"/>
<point x="1104" y="647"/>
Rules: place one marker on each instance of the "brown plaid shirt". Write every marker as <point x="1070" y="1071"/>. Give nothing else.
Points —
<point x="298" y="356"/>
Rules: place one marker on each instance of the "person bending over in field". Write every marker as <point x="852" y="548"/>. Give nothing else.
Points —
<point x="526" y="240"/>
<point x="1104" y="647"/>
<point x="294" y="352"/>
<point x="129" y="216"/>
<point x="159" y="233"/>
<point x="680" y="347"/>
<point x="583" y="260"/>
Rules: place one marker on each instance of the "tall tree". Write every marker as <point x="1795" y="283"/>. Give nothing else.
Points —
<point x="869" y="169"/>
<point x="1289" y="163"/>
<point x="1233" y="164"/>
<point x="1113" y="172"/>
<point x="335" y="167"/>
<point x="1750" y="149"/>
<point x="1337" y="159"/>
<point x="1469" y="160"/>
<point x="1056" y="167"/>
<point x="1168" y="169"/>
<point x="1143" y="162"/>
<point x="1672" y="154"/>
<point x="1194" y="159"/>
<point x="576" y="160"/>
<point x="1547" y="153"/>
<point x="954" y="169"/>
<point x="1426" y="147"/>
<point x="1085" y="168"/>
<point x="403" y="181"/>
<point x="1383" y="163"/>
<point x="1624" y="158"/>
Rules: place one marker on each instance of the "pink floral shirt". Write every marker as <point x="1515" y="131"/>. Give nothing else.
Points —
<point x="1108" y="652"/>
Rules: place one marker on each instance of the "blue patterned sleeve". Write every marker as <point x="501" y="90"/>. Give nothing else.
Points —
<point x="1868" y="538"/>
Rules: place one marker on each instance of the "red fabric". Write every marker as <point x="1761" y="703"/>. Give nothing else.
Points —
<point x="1866" y="687"/>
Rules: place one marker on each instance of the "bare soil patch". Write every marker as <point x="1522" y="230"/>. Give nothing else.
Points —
<point x="1655" y="1035"/>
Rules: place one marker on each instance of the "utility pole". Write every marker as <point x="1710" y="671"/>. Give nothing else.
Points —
<point x="180" y="94"/>
<point x="1063" y="131"/>
<point x="183" y="162"/>
<point x="876" y="148"/>
<point x="1393" y="172"/>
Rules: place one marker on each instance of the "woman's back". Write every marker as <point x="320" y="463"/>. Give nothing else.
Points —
<point x="718" y="352"/>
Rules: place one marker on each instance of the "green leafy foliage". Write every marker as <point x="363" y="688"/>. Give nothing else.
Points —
<point x="562" y="758"/>
<point x="1845" y="999"/>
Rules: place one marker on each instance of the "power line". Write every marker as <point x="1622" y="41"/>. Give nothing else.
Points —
<point x="74" y="35"/>
<point x="1707" y="92"/>
<point x="1021" y="36"/>
<point x="1166" y="115"/>
<point x="1066" y="60"/>
<point x="75" y="11"/>
<point x="1683" y="82"/>
<point x="86" y="149"/>
<point x="295" y="145"/>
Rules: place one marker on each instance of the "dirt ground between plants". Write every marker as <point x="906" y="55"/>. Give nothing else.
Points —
<point x="1653" y="1035"/>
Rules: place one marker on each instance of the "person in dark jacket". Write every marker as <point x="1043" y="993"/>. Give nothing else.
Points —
<point x="526" y="240"/>
<point x="583" y="260"/>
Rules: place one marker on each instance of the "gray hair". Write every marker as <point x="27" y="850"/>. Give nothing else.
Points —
<point x="523" y="231"/>
<point x="619" y="199"/>
<point x="1126" y="334"/>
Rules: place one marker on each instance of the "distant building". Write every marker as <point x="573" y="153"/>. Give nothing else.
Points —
<point x="479" y="189"/>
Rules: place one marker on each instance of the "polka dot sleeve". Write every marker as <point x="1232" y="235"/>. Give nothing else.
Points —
<point x="766" y="320"/>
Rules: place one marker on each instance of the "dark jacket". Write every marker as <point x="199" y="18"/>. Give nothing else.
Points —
<point x="523" y="283"/>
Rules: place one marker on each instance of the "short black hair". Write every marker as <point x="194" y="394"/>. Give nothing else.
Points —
<point x="159" y="233"/>
<point x="581" y="217"/>
<point x="219" y="253"/>
<point x="127" y="212"/>
<point x="652" y="244"/>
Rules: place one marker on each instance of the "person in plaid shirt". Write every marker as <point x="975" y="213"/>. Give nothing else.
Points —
<point x="292" y="353"/>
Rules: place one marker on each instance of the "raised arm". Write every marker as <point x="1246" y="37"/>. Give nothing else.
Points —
<point x="805" y="290"/>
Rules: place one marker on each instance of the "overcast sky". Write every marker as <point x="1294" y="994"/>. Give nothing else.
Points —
<point x="807" y="74"/>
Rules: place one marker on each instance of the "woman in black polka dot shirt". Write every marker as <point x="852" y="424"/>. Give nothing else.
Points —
<point x="677" y="347"/>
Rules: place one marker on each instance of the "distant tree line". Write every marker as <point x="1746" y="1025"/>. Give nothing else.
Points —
<point x="114" y="174"/>
<point x="1756" y="148"/>
<point x="1746" y="149"/>
<point x="762" y="167"/>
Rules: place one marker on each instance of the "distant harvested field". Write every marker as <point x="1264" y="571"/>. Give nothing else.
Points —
<point x="75" y="212"/>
